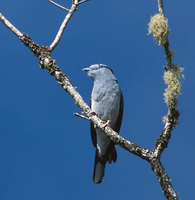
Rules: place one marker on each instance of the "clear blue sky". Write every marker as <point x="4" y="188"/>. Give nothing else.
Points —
<point x="45" y="151"/>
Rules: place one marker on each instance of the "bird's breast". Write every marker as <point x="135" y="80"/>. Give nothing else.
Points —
<point x="106" y="102"/>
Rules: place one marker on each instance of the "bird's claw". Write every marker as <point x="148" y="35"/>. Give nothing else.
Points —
<point x="106" y="123"/>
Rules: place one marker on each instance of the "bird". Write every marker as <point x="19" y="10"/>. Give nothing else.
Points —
<point x="107" y="103"/>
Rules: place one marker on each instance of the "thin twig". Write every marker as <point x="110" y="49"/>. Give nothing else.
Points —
<point x="161" y="7"/>
<point x="58" y="37"/>
<point x="168" y="53"/>
<point x="80" y="2"/>
<point x="58" y="5"/>
<point x="73" y="8"/>
<point x="81" y="116"/>
<point x="10" y="26"/>
<point x="63" y="26"/>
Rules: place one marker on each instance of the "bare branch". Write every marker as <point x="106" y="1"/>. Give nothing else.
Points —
<point x="10" y="26"/>
<point x="73" y="8"/>
<point x="81" y="116"/>
<point x="58" y="5"/>
<point x="80" y="2"/>
<point x="63" y="26"/>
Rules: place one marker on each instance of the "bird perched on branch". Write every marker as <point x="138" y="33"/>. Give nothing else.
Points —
<point x="107" y="103"/>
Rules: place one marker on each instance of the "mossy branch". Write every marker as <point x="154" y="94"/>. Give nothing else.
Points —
<point x="173" y="90"/>
<point x="158" y="26"/>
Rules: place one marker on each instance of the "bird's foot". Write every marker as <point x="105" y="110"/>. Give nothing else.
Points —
<point x="106" y="123"/>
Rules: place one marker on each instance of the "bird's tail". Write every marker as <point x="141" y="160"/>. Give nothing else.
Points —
<point x="99" y="167"/>
<point x="112" y="156"/>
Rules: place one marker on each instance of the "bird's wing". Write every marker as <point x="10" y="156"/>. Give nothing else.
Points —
<point x="93" y="133"/>
<point x="120" y="115"/>
<point x="117" y="127"/>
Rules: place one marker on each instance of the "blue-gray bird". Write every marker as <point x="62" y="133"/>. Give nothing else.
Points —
<point x="107" y="103"/>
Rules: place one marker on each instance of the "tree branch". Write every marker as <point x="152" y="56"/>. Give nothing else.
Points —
<point x="45" y="61"/>
<point x="161" y="7"/>
<point x="58" y="5"/>
<point x="43" y="54"/>
<point x="81" y="116"/>
<point x="173" y="114"/>
<point x="168" y="53"/>
<point x="163" y="140"/>
<point x="164" y="180"/>
<point x="58" y="37"/>
<point x="171" y="121"/>
<point x="10" y="26"/>
<point x="80" y="2"/>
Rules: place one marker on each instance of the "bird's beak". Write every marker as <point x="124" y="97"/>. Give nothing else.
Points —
<point x="85" y="69"/>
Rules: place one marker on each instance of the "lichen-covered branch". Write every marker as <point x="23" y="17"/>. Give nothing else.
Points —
<point x="43" y="53"/>
<point x="164" y="180"/>
<point x="168" y="53"/>
<point x="171" y="94"/>
<point x="46" y="62"/>
<point x="158" y="26"/>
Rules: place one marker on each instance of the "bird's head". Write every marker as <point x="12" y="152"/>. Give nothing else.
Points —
<point x="99" y="71"/>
